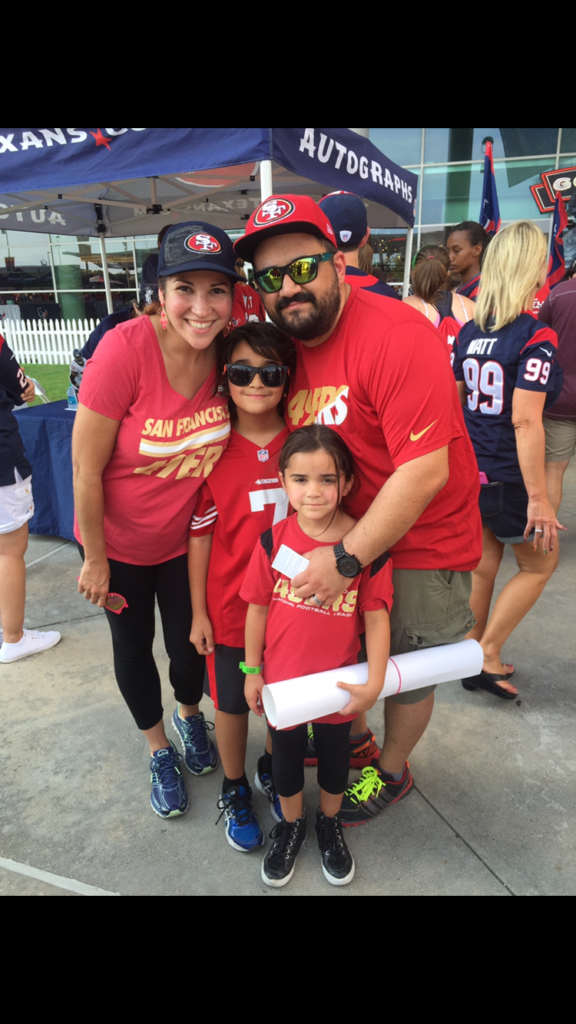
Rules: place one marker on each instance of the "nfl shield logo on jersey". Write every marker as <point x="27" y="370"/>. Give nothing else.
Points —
<point x="264" y="455"/>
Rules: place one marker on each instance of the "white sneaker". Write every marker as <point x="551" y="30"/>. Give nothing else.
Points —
<point x="31" y="643"/>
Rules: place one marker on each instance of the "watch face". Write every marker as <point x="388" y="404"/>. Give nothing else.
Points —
<point x="348" y="567"/>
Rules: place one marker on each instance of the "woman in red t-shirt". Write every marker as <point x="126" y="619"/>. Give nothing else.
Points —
<point x="150" y="428"/>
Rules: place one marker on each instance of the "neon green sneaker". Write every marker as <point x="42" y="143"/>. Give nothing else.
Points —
<point x="372" y="794"/>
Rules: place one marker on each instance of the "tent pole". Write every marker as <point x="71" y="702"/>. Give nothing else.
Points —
<point x="106" y="274"/>
<point x="408" y="267"/>
<point x="266" y="186"/>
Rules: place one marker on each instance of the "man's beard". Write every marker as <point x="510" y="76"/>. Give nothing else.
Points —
<point x="317" y="317"/>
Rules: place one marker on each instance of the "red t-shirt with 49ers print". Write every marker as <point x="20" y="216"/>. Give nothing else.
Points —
<point x="383" y="380"/>
<point x="302" y="639"/>
<point x="166" y="446"/>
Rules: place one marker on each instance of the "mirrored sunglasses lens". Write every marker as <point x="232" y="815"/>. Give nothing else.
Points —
<point x="115" y="603"/>
<point x="303" y="271"/>
<point x="273" y="376"/>
<point x="240" y="376"/>
<point x="271" y="281"/>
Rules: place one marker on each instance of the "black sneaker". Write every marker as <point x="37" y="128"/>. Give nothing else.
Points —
<point x="337" y="861"/>
<point x="280" y="863"/>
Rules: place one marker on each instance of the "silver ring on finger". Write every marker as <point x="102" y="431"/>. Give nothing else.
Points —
<point x="538" y="531"/>
<point x="318" y="602"/>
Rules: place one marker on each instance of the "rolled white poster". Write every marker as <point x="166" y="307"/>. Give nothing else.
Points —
<point x="297" y="701"/>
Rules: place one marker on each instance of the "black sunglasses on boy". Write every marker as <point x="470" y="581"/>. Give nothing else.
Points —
<point x="271" y="376"/>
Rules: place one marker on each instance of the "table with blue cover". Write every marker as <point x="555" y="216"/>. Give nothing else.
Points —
<point x="46" y="431"/>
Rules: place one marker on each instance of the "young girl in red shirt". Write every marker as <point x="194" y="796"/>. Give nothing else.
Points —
<point x="287" y="637"/>
<point x="242" y="498"/>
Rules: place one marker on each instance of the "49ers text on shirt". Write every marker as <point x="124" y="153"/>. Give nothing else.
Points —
<point x="189" y="451"/>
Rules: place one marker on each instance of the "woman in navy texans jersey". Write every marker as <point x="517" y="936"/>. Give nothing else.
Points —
<point x="507" y="374"/>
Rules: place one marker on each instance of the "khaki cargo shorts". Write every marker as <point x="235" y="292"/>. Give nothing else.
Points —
<point x="431" y="609"/>
<point x="560" y="440"/>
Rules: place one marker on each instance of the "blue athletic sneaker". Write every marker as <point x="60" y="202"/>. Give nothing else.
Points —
<point x="242" y="829"/>
<point x="169" y="798"/>
<point x="265" y="785"/>
<point x="200" y="754"/>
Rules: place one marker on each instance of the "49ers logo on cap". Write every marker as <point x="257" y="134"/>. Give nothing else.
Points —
<point x="273" y="211"/>
<point x="203" y="243"/>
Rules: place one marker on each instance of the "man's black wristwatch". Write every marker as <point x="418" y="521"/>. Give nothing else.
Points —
<point x="348" y="565"/>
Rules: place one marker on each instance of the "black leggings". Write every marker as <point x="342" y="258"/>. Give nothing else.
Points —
<point x="289" y="753"/>
<point x="133" y="636"/>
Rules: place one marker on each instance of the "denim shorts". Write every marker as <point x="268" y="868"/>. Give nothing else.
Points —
<point x="504" y="510"/>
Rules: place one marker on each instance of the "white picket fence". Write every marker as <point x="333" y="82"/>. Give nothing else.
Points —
<point x="46" y="341"/>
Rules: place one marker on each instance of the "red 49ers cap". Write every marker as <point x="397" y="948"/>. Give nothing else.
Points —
<point x="284" y="215"/>
<point x="197" y="246"/>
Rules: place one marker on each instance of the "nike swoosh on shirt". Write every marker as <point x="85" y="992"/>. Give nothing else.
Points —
<point x="416" y="437"/>
<point x="549" y="354"/>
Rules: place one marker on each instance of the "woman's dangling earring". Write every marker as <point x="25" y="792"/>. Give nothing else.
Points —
<point x="229" y="328"/>
<point x="164" y="319"/>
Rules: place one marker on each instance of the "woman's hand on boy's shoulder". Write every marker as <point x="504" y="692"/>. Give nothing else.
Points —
<point x="202" y="635"/>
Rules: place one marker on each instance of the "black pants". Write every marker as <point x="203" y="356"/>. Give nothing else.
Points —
<point x="133" y="636"/>
<point x="289" y="752"/>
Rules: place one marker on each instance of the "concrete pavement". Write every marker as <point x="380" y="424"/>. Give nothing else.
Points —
<point x="493" y="814"/>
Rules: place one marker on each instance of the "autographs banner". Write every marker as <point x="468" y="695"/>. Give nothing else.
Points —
<point x="116" y="181"/>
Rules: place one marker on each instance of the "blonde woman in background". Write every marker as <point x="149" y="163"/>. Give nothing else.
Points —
<point x="507" y="372"/>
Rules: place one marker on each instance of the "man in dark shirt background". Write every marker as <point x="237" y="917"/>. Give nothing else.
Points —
<point x="347" y="214"/>
<point x="559" y="312"/>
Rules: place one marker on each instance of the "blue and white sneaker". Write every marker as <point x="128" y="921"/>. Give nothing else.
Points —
<point x="265" y="785"/>
<point x="243" y="831"/>
<point x="169" y="798"/>
<point x="200" y="754"/>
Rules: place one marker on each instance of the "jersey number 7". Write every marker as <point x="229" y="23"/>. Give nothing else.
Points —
<point x="277" y="496"/>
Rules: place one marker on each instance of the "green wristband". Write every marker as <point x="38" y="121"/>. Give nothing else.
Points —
<point x="250" y="671"/>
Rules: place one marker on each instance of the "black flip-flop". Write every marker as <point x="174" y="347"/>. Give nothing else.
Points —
<point x="488" y="682"/>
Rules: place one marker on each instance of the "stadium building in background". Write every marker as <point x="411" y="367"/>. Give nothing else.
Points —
<point x="61" y="274"/>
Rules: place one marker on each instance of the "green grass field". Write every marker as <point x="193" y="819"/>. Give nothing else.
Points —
<point x="54" y="379"/>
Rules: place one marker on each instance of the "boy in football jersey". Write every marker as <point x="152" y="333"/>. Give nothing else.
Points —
<point x="241" y="500"/>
